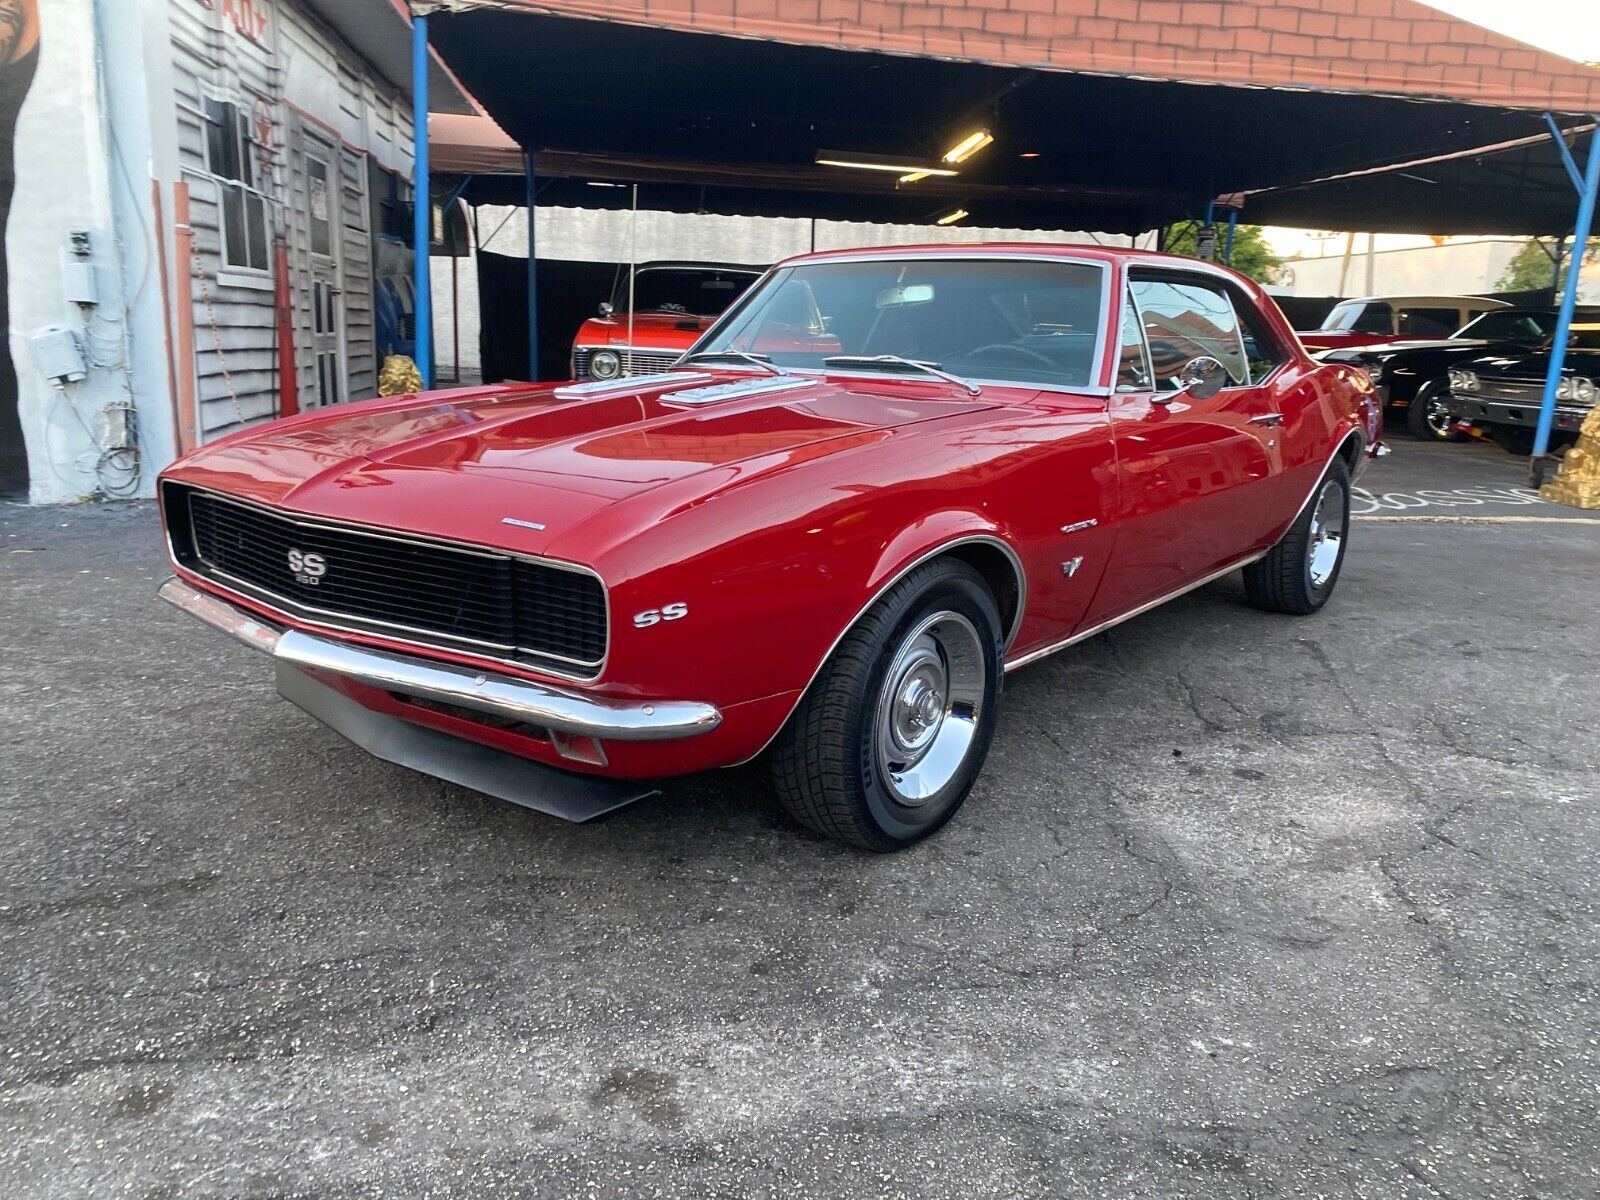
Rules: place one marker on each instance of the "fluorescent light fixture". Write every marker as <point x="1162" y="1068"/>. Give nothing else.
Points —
<point x="861" y="162"/>
<point x="968" y="146"/>
<point x="914" y="176"/>
<point x="954" y="215"/>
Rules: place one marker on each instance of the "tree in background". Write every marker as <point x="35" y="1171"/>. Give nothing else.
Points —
<point x="1531" y="270"/>
<point x="1251" y="254"/>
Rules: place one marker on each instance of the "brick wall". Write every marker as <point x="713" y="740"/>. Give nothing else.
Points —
<point x="1391" y="47"/>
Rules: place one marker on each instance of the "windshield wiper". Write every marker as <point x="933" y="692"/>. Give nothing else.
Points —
<point x="761" y="360"/>
<point x="894" y="360"/>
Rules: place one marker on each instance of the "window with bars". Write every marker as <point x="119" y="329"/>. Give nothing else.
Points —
<point x="231" y="160"/>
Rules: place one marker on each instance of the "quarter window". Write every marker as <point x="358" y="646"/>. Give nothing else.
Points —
<point x="230" y="157"/>
<point x="1133" y="362"/>
<point x="1429" y="322"/>
<point x="1184" y="321"/>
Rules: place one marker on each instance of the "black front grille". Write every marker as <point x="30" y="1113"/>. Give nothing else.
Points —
<point x="412" y="589"/>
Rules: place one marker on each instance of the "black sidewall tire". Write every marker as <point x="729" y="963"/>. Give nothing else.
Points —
<point x="899" y="824"/>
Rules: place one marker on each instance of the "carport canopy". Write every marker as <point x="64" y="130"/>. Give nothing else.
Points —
<point x="1117" y="115"/>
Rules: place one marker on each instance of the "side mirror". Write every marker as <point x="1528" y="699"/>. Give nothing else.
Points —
<point x="607" y="308"/>
<point x="1201" y="378"/>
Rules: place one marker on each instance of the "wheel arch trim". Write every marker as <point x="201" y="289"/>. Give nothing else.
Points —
<point x="927" y="555"/>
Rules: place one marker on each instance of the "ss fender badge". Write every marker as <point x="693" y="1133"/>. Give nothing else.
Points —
<point x="654" y="616"/>
<point x="1077" y="525"/>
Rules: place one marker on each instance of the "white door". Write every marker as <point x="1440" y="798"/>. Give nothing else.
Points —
<point x="327" y="307"/>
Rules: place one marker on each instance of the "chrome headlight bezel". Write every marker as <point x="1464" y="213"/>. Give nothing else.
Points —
<point x="1463" y="380"/>
<point x="1583" y="389"/>
<point x="605" y="364"/>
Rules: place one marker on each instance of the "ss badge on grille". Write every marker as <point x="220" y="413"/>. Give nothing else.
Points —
<point x="307" y="568"/>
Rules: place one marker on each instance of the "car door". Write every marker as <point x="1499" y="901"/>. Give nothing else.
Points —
<point x="1198" y="480"/>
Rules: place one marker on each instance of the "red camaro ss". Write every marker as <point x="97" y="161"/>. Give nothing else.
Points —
<point x="880" y="481"/>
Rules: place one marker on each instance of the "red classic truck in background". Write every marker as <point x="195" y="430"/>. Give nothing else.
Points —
<point x="673" y="303"/>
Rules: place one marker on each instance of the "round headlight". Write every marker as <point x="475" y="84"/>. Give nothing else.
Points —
<point x="1471" y="378"/>
<point x="1564" y="390"/>
<point x="1374" y="371"/>
<point x="1455" y="380"/>
<point x="606" y="364"/>
<point x="1583" y="390"/>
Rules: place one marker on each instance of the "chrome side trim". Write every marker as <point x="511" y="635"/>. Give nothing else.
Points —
<point x="500" y="695"/>
<point x="1016" y="624"/>
<point x="1034" y="656"/>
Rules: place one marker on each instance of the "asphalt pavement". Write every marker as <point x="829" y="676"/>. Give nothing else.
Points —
<point x="1243" y="906"/>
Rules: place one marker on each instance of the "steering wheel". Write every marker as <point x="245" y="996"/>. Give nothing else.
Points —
<point x="1010" y="348"/>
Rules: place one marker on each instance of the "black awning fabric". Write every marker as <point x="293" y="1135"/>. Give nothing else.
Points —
<point x="733" y="125"/>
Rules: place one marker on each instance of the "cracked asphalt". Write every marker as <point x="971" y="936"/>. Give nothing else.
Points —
<point x="1244" y="906"/>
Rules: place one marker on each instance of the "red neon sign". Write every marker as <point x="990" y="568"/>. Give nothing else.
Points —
<point x="249" y="17"/>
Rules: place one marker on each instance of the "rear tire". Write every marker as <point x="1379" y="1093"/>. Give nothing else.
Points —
<point x="889" y="738"/>
<point x="1429" y="418"/>
<point x="1298" y="574"/>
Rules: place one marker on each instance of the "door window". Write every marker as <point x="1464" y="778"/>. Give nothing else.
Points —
<point x="318" y="201"/>
<point x="1184" y="320"/>
<point x="1374" y="318"/>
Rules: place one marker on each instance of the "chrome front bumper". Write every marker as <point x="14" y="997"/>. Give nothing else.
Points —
<point x="500" y="695"/>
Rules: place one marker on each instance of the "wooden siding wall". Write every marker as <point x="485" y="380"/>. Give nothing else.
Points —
<point x="332" y="93"/>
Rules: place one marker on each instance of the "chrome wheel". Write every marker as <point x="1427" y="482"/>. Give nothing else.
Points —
<point x="929" y="708"/>
<point x="1436" y="416"/>
<point x="1327" y="533"/>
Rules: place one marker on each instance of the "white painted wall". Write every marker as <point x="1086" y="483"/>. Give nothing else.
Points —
<point x="63" y="183"/>
<point x="1458" y="267"/>
<point x="601" y="235"/>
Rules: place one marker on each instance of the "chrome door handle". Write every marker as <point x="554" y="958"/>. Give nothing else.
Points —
<point x="1267" y="419"/>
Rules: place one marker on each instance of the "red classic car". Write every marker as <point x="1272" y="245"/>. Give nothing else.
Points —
<point x="883" y="479"/>
<point x="673" y="304"/>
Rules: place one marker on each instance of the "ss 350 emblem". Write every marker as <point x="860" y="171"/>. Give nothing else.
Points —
<point x="654" y="616"/>
<point x="307" y="568"/>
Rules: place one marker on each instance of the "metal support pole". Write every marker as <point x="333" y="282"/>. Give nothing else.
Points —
<point x="1569" y="301"/>
<point x="531" y="187"/>
<point x="1227" y="246"/>
<point x="422" y="230"/>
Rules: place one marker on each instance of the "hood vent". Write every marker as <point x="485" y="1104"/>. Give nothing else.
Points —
<point x="740" y="390"/>
<point x="623" y="386"/>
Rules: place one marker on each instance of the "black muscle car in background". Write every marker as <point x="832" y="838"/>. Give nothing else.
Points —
<point x="1502" y="393"/>
<point x="1412" y="377"/>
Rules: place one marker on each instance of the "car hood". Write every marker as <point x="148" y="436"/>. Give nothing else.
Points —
<point x="1535" y="364"/>
<point x="519" y="466"/>
<point x="670" y="331"/>
<point x="1389" y="350"/>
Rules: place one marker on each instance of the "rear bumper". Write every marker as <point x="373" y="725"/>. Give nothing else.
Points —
<point x="570" y="713"/>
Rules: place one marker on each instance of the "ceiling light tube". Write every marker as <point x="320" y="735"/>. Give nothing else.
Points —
<point x="968" y="146"/>
<point x="954" y="215"/>
<point x="900" y="166"/>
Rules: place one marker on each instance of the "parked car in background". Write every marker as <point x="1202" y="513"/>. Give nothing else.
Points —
<point x="1412" y="376"/>
<point x="882" y="480"/>
<point x="1502" y="393"/>
<point x="673" y="303"/>
<point x="1369" y="320"/>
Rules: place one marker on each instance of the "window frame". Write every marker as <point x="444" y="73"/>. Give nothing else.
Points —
<point x="243" y="145"/>
<point x="1230" y="292"/>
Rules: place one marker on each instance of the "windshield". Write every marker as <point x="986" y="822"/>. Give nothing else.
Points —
<point x="1031" y="322"/>
<point x="1360" y="316"/>
<point x="1505" y="326"/>
<point x="696" y="291"/>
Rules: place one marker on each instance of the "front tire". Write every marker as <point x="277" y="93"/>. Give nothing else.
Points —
<point x="1429" y="417"/>
<point x="889" y="738"/>
<point x="1298" y="574"/>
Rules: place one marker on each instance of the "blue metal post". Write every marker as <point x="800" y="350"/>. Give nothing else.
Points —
<point x="531" y="184"/>
<point x="1569" y="298"/>
<point x="422" y="230"/>
<point x="1227" y="246"/>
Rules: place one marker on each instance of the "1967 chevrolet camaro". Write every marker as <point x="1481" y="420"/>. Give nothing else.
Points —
<point x="880" y="481"/>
